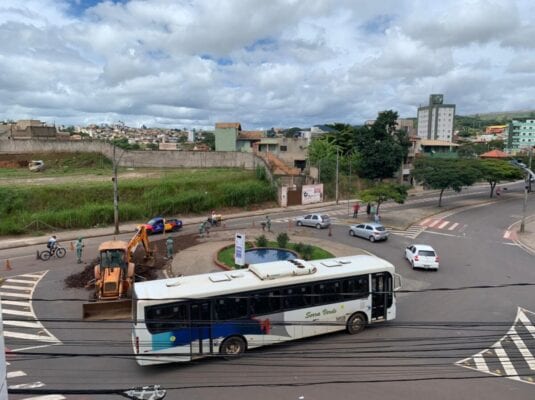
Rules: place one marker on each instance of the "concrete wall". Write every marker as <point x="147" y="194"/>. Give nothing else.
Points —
<point x="158" y="159"/>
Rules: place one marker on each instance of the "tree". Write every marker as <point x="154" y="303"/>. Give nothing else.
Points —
<point x="380" y="148"/>
<point x="209" y="140"/>
<point x="445" y="174"/>
<point x="495" y="171"/>
<point x="383" y="192"/>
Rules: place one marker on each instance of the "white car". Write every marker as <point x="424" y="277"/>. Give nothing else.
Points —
<point x="422" y="256"/>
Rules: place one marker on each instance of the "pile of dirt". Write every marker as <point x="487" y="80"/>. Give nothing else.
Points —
<point x="146" y="270"/>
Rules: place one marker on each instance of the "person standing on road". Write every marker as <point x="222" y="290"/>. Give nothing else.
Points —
<point x="368" y="209"/>
<point x="170" y="247"/>
<point x="356" y="208"/>
<point x="79" y="246"/>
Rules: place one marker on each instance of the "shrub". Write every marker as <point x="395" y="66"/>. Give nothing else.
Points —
<point x="282" y="240"/>
<point x="307" y="252"/>
<point x="261" y="241"/>
<point x="299" y="247"/>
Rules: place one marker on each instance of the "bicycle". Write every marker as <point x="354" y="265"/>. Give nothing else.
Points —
<point x="58" y="251"/>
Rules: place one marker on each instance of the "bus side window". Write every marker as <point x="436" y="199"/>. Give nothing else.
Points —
<point x="265" y="302"/>
<point x="297" y="297"/>
<point x="232" y="307"/>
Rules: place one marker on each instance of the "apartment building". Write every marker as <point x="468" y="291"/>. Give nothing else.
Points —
<point x="435" y="121"/>
<point x="521" y="135"/>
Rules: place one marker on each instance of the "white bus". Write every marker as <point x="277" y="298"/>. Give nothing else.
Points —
<point x="225" y="313"/>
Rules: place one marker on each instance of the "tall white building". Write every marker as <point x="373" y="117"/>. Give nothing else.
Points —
<point x="435" y="121"/>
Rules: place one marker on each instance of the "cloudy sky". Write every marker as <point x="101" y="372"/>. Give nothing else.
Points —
<point x="264" y="63"/>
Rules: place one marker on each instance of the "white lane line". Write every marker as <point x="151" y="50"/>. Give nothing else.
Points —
<point x="17" y="335"/>
<point x="16" y="303"/>
<point x="24" y="324"/>
<point x="522" y="348"/>
<point x="32" y="385"/>
<point x="15" y="374"/>
<point x="507" y="365"/>
<point x="507" y="234"/>
<point x="46" y="397"/>
<point x="442" y="225"/>
<point x="455" y="225"/>
<point x="432" y="224"/>
<point x="22" y="296"/>
<point x="442" y="234"/>
<point x="481" y="365"/>
<point x="16" y="312"/>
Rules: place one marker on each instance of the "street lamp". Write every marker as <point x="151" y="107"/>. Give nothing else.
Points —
<point x="116" y="190"/>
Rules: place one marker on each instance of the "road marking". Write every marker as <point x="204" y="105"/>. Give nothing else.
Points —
<point x="455" y="225"/>
<point x="16" y="303"/>
<point x="24" y="324"/>
<point x="507" y="365"/>
<point x="425" y="221"/>
<point x="443" y="234"/>
<point x="22" y="296"/>
<point x="46" y="397"/>
<point x="23" y="288"/>
<point x="32" y="385"/>
<point x="19" y="281"/>
<point x="15" y="374"/>
<point x="481" y="364"/>
<point x="16" y="312"/>
<point x="38" y="277"/>
<point x="522" y="348"/>
<point x="442" y="225"/>
<point x="527" y="323"/>
<point x="18" y="335"/>
<point x="507" y="234"/>
<point x="432" y="224"/>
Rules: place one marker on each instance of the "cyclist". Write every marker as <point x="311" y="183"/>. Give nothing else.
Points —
<point x="52" y="244"/>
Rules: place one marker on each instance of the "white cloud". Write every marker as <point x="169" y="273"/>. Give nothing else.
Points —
<point x="263" y="63"/>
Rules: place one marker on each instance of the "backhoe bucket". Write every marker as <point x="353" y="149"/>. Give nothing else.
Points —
<point x="108" y="310"/>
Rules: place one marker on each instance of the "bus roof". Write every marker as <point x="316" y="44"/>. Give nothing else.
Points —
<point x="259" y="276"/>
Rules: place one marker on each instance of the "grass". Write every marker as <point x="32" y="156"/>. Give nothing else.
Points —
<point x="226" y="256"/>
<point x="90" y="204"/>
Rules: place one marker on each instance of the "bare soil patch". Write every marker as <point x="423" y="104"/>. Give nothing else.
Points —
<point x="145" y="269"/>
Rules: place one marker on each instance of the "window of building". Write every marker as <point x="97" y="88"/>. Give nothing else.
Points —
<point x="284" y="148"/>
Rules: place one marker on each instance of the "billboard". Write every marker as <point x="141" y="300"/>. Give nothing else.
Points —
<point x="312" y="194"/>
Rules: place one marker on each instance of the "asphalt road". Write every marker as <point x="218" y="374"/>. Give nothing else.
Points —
<point x="414" y="356"/>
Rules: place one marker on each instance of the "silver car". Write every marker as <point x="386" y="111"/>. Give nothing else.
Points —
<point x="372" y="231"/>
<point x="315" y="220"/>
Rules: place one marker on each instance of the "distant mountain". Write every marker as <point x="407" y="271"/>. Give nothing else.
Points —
<point x="503" y="116"/>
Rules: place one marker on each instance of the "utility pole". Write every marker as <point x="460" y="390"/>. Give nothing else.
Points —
<point x="115" y="194"/>
<point x="337" y="197"/>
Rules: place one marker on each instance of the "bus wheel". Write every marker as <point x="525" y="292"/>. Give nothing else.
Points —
<point x="356" y="323"/>
<point x="233" y="347"/>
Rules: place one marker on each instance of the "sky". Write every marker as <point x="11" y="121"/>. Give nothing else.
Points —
<point x="263" y="63"/>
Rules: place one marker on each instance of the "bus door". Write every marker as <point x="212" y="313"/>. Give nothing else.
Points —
<point x="201" y="328"/>
<point x="381" y="294"/>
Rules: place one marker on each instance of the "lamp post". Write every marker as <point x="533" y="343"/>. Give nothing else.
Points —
<point x="116" y="190"/>
<point x="337" y="163"/>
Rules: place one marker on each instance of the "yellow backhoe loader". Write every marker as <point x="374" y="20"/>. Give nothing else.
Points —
<point x="114" y="278"/>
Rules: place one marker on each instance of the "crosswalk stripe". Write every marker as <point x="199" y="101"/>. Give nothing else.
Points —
<point x="10" y="280"/>
<point x="24" y="324"/>
<point x="425" y="221"/>
<point x="31" y="385"/>
<point x="22" y="296"/>
<point x="31" y="276"/>
<point x="16" y="303"/>
<point x="46" y="397"/>
<point x="481" y="364"/>
<point x="16" y="312"/>
<point x="522" y="348"/>
<point x="443" y="225"/>
<point x="507" y="365"/>
<point x="15" y="374"/>
<point x="432" y="224"/>
<point x="18" y="335"/>
<point x="452" y="227"/>
<point x="527" y="323"/>
<point x="24" y="288"/>
<point x="507" y="234"/>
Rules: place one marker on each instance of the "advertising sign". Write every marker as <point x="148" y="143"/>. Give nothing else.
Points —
<point x="239" y="249"/>
<point x="312" y="194"/>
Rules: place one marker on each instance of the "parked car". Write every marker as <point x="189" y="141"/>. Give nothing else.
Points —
<point x="422" y="256"/>
<point x="315" y="220"/>
<point x="372" y="231"/>
<point x="156" y="225"/>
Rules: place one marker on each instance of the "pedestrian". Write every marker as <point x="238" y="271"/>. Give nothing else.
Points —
<point x="356" y="208"/>
<point x="368" y="209"/>
<point x="201" y="229"/>
<point x="498" y="191"/>
<point x="170" y="247"/>
<point x="79" y="246"/>
<point x="268" y="223"/>
<point x="372" y="211"/>
<point x="377" y="218"/>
